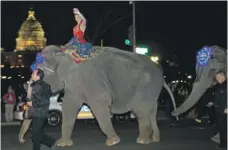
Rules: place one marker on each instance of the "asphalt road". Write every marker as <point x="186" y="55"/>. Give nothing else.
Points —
<point x="88" y="136"/>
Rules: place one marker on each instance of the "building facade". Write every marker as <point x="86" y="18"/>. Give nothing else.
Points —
<point x="15" y="66"/>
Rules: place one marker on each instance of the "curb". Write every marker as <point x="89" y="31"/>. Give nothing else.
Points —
<point x="14" y="123"/>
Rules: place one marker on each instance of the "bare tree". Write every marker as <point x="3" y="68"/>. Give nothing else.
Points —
<point x="96" y="35"/>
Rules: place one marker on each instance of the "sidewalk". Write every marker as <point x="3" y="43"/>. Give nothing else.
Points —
<point x="4" y="123"/>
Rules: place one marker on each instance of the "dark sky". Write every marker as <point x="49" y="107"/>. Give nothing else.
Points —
<point x="179" y="27"/>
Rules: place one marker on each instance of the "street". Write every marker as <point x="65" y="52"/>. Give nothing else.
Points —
<point x="86" y="136"/>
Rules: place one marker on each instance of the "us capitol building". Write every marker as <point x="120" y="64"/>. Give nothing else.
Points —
<point x="31" y="39"/>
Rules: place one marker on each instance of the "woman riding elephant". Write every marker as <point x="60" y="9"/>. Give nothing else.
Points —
<point x="78" y="42"/>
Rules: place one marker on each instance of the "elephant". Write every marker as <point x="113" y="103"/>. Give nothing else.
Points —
<point x="112" y="82"/>
<point x="205" y="76"/>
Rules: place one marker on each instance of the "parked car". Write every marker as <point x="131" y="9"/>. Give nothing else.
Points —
<point x="55" y="112"/>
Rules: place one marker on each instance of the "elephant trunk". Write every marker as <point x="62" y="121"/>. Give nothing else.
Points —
<point x="199" y="88"/>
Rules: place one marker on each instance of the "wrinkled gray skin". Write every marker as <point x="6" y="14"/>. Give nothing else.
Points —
<point x="114" y="82"/>
<point x="205" y="78"/>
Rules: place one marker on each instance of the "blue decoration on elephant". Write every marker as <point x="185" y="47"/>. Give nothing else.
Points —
<point x="34" y="65"/>
<point x="39" y="60"/>
<point x="203" y="56"/>
<point x="83" y="49"/>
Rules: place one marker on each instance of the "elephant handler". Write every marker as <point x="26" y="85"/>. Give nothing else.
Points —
<point x="221" y="108"/>
<point x="38" y="110"/>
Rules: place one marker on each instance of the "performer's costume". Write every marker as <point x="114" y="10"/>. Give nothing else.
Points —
<point x="78" y="44"/>
<point x="77" y="47"/>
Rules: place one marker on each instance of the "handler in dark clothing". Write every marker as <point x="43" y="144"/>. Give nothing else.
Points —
<point x="221" y="108"/>
<point x="40" y="95"/>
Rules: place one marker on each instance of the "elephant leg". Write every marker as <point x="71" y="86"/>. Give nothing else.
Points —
<point x="145" y="131"/>
<point x="103" y="116"/>
<point x="154" y="126"/>
<point x="70" y="109"/>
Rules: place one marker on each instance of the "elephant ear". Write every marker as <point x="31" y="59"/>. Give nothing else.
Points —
<point x="219" y="53"/>
<point x="61" y="62"/>
<point x="49" y="51"/>
<point x="64" y="65"/>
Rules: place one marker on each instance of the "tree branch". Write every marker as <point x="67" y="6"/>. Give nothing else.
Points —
<point x="114" y="23"/>
<point x="98" y="26"/>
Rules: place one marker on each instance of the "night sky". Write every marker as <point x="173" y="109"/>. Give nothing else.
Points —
<point x="181" y="28"/>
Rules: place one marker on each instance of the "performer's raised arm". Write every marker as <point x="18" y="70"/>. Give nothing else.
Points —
<point x="80" y="19"/>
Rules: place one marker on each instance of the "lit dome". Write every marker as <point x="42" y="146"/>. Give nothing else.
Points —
<point x="31" y="34"/>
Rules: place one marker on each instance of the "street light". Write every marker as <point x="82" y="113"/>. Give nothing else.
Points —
<point x="154" y="59"/>
<point x="189" y="76"/>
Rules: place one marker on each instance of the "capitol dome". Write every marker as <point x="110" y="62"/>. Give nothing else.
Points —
<point x="31" y="34"/>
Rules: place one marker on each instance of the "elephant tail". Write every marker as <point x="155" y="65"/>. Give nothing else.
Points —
<point x="172" y="97"/>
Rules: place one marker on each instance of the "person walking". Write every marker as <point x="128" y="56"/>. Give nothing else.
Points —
<point x="38" y="100"/>
<point x="10" y="100"/>
<point x="27" y="122"/>
<point x="221" y="108"/>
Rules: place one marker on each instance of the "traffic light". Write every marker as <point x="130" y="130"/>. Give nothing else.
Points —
<point x="127" y="42"/>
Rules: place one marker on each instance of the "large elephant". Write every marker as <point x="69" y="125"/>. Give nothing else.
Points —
<point x="205" y="75"/>
<point x="115" y="81"/>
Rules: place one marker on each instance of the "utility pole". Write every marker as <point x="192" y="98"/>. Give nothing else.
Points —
<point x="134" y="27"/>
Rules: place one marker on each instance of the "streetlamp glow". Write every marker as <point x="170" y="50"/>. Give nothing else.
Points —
<point x="189" y="77"/>
<point x="154" y="59"/>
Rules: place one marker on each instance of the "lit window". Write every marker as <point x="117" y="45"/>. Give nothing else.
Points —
<point x="3" y="77"/>
<point x="2" y="66"/>
<point x="19" y="55"/>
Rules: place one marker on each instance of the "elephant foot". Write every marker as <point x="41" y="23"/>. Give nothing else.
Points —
<point x="112" y="141"/>
<point x="156" y="139"/>
<point x="144" y="140"/>
<point x="64" y="142"/>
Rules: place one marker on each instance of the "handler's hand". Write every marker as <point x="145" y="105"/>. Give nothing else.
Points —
<point x="29" y="104"/>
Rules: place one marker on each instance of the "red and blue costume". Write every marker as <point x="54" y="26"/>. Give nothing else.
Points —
<point x="78" y="42"/>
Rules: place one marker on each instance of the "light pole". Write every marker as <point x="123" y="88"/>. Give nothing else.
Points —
<point x="134" y="27"/>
